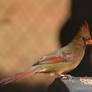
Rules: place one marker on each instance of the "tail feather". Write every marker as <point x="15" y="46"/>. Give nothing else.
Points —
<point x="17" y="76"/>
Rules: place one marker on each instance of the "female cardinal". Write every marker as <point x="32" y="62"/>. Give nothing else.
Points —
<point x="63" y="60"/>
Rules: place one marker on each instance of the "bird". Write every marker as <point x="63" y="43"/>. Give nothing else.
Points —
<point x="61" y="61"/>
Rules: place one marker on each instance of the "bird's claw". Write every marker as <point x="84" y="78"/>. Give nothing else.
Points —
<point x="66" y="76"/>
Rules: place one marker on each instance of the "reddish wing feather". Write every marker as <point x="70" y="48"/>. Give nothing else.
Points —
<point x="52" y="60"/>
<point x="65" y="57"/>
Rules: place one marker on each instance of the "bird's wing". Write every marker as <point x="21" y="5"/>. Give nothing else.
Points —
<point x="62" y="57"/>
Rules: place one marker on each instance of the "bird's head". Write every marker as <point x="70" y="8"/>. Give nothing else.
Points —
<point x="85" y="34"/>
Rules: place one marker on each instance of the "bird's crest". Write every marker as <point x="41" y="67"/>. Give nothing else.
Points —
<point x="84" y="32"/>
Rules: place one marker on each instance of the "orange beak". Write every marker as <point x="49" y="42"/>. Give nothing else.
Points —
<point x="89" y="42"/>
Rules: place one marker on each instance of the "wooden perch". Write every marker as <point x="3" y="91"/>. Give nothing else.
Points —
<point x="76" y="84"/>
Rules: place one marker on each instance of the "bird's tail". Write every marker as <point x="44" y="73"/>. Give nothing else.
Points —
<point x="17" y="76"/>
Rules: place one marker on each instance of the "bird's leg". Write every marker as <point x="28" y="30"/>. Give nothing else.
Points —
<point x="65" y="76"/>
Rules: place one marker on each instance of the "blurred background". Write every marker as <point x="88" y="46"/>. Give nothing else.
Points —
<point x="31" y="29"/>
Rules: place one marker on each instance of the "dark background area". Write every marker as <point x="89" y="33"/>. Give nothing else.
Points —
<point x="81" y="12"/>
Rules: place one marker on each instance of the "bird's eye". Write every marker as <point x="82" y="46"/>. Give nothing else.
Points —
<point x="85" y="39"/>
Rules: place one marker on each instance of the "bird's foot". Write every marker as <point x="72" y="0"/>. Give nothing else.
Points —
<point x="64" y="76"/>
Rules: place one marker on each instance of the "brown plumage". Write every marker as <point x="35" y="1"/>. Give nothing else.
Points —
<point x="63" y="60"/>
